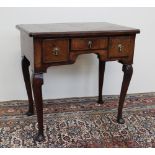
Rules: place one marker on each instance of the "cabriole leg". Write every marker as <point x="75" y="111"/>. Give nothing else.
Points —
<point x="26" y="75"/>
<point x="128" y="70"/>
<point x="37" y="90"/>
<point x="101" y="79"/>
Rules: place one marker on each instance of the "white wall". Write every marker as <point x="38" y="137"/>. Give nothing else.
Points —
<point x="80" y="79"/>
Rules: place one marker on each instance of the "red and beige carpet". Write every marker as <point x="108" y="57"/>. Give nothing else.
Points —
<point x="81" y="122"/>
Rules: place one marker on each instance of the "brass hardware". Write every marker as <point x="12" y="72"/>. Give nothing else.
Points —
<point x="55" y="51"/>
<point x="120" y="47"/>
<point x="90" y="44"/>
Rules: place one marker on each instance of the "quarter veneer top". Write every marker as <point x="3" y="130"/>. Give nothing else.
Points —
<point x="73" y="29"/>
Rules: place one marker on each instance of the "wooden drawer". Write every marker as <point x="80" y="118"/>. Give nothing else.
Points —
<point x="55" y="50"/>
<point x="89" y="43"/>
<point x="120" y="46"/>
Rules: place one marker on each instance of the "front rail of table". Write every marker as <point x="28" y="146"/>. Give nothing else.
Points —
<point x="45" y="45"/>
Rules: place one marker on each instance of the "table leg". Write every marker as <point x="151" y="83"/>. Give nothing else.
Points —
<point x="128" y="70"/>
<point x="26" y="75"/>
<point x="101" y="79"/>
<point x="37" y="90"/>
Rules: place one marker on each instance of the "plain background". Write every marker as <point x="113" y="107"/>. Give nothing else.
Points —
<point x="80" y="79"/>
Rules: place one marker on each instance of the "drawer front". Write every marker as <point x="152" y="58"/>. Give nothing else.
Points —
<point x="89" y="43"/>
<point x="55" y="50"/>
<point x="120" y="46"/>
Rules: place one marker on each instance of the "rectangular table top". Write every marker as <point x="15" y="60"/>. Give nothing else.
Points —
<point x="72" y="29"/>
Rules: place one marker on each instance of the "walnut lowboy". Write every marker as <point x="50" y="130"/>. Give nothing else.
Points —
<point x="45" y="45"/>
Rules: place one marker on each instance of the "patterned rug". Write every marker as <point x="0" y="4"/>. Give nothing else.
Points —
<point x="81" y="122"/>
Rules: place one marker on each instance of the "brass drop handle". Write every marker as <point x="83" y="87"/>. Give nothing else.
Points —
<point x="90" y="44"/>
<point x="55" y="51"/>
<point x="120" y="47"/>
